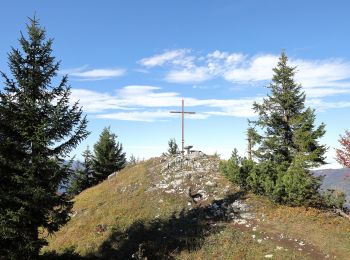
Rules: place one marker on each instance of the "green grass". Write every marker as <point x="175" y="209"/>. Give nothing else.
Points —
<point x="162" y="226"/>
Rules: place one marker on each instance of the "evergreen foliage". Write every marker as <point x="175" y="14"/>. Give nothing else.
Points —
<point x="334" y="199"/>
<point x="108" y="156"/>
<point x="297" y="186"/>
<point x="38" y="129"/>
<point x="288" y="145"/>
<point x="83" y="177"/>
<point x="236" y="169"/>
<point x="343" y="154"/>
<point x="289" y="129"/>
<point x="173" y="147"/>
<point x="261" y="178"/>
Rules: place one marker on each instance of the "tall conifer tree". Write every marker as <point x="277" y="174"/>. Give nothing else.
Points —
<point x="108" y="155"/>
<point x="289" y="128"/>
<point x="290" y="141"/>
<point x="38" y="129"/>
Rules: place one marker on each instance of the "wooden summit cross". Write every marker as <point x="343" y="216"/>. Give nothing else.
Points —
<point x="183" y="112"/>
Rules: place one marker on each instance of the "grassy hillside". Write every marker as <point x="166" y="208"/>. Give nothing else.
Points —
<point x="144" y="212"/>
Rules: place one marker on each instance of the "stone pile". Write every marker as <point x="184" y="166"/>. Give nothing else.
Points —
<point x="237" y="210"/>
<point x="195" y="170"/>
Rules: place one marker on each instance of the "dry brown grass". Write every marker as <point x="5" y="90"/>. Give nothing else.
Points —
<point x="325" y="230"/>
<point x="118" y="203"/>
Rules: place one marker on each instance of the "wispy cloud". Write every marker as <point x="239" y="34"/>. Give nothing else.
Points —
<point x="147" y="103"/>
<point x="193" y="75"/>
<point x="258" y="68"/>
<point x="319" y="78"/>
<point x="82" y="73"/>
<point x="176" y="57"/>
<point x="323" y="73"/>
<point x="94" y="101"/>
<point x="147" y="116"/>
<point x="327" y="91"/>
<point x="322" y="105"/>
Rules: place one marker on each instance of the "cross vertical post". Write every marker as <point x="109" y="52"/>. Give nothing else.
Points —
<point x="183" y="112"/>
<point x="183" y="126"/>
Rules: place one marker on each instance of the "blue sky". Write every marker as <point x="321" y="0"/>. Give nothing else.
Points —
<point x="131" y="62"/>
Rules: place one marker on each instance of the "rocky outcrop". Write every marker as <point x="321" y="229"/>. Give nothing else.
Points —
<point x="196" y="171"/>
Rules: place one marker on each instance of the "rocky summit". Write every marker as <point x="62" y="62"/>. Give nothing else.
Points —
<point x="190" y="174"/>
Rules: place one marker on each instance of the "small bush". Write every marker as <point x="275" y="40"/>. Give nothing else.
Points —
<point x="297" y="187"/>
<point x="173" y="147"/>
<point x="260" y="179"/>
<point x="289" y="184"/>
<point x="334" y="199"/>
<point x="236" y="169"/>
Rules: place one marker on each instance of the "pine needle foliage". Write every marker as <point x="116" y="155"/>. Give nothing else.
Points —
<point x="38" y="129"/>
<point x="289" y="128"/>
<point x="108" y="156"/>
<point x="236" y="169"/>
<point x="288" y="144"/>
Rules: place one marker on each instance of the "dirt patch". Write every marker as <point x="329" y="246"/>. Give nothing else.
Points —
<point x="282" y="241"/>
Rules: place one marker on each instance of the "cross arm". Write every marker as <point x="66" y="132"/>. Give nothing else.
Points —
<point x="179" y="112"/>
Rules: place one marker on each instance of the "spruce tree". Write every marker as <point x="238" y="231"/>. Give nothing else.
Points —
<point x="290" y="137"/>
<point x="83" y="177"/>
<point x="38" y="129"/>
<point x="108" y="155"/>
<point x="288" y="126"/>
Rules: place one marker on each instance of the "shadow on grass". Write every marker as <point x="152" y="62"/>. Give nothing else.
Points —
<point x="161" y="238"/>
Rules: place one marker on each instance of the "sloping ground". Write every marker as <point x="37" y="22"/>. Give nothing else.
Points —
<point x="145" y="211"/>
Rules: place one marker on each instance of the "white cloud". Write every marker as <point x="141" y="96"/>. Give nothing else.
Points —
<point x="334" y="74"/>
<point x="199" y="74"/>
<point x="94" y="74"/>
<point x="146" y="96"/>
<point x="319" y="78"/>
<point x="141" y="101"/>
<point x="322" y="73"/>
<point x="147" y="116"/>
<point x="259" y="68"/>
<point x="160" y="59"/>
<point x="236" y="108"/>
<point x="138" y="98"/>
<point x="93" y="101"/>
<point x="323" y="92"/>
<point x="322" y="105"/>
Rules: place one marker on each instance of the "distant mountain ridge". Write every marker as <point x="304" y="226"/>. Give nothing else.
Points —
<point x="336" y="179"/>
